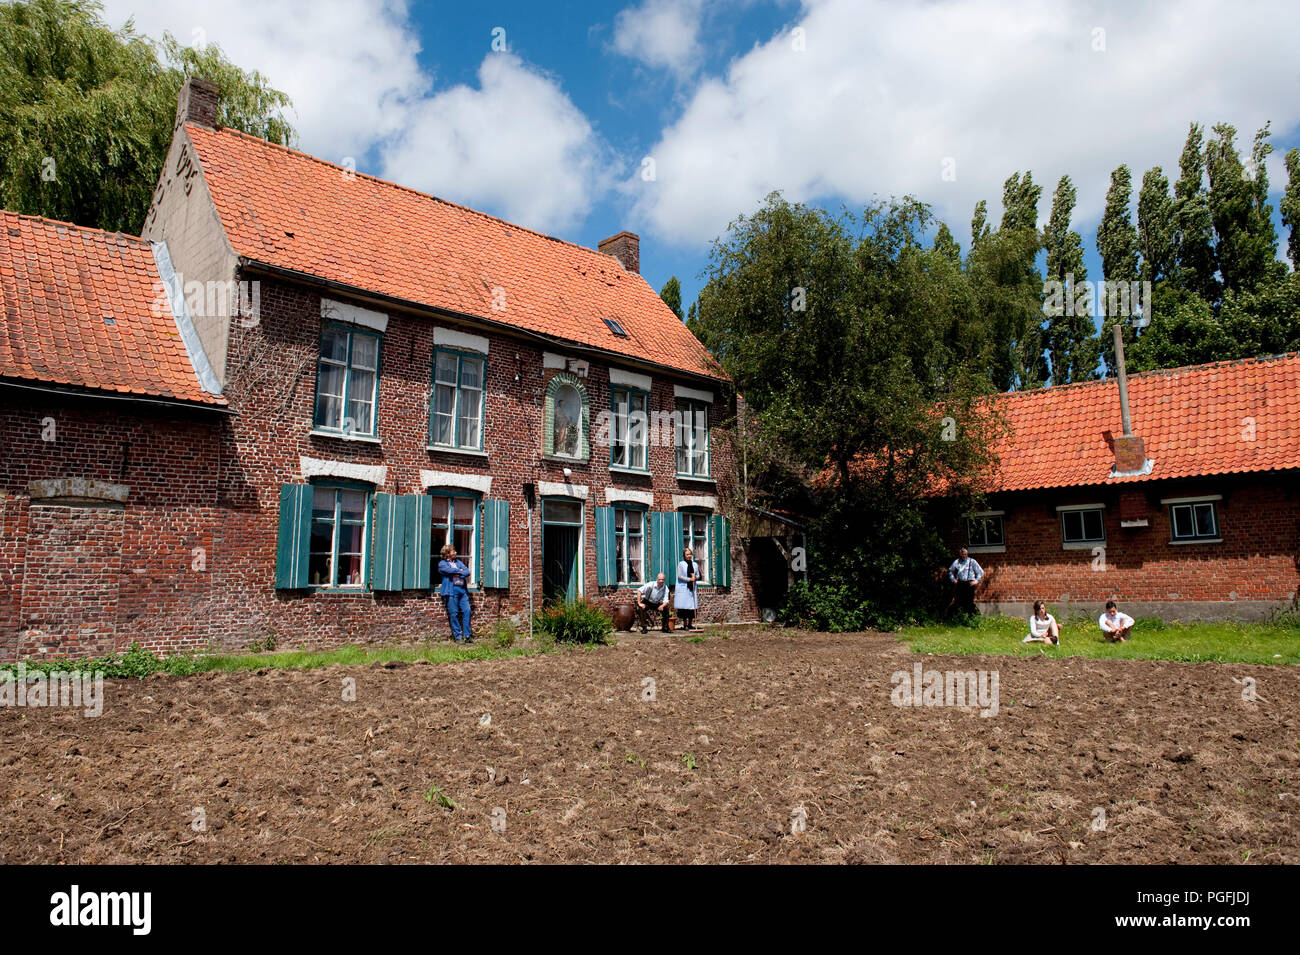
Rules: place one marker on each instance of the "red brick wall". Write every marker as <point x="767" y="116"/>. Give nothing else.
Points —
<point x="89" y="578"/>
<point x="272" y="375"/>
<point x="1253" y="570"/>
<point x="189" y="560"/>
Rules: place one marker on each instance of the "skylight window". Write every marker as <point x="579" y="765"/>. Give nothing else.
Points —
<point x="616" y="328"/>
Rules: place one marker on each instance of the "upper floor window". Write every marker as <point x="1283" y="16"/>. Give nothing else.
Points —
<point x="1194" y="521"/>
<point x="629" y="433"/>
<point x="1083" y="525"/>
<point x="567" y="416"/>
<point x="457" y="420"/>
<point x="692" y="426"/>
<point x="347" y="384"/>
<point x="338" y="537"/>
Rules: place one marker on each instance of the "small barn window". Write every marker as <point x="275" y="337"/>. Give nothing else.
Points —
<point x="1194" y="521"/>
<point x="1083" y="526"/>
<point x="985" y="530"/>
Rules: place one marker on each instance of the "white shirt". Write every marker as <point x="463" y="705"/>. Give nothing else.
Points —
<point x="1040" y="628"/>
<point x="1112" y="623"/>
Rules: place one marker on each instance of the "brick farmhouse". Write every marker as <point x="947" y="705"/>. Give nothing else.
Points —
<point x="267" y="414"/>
<point x="1193" y="515"/>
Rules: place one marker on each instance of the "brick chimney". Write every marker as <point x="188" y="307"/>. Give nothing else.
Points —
<point x="626" y="247"/>
<point x="197" y="102"/>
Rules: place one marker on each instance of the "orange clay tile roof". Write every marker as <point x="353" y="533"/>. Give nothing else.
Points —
<point x="59" y="284"/>
<point x="286" y="209"/>
<point x="1224" y="418"/>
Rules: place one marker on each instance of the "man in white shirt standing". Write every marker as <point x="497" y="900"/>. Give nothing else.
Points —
<point x="965" y="574"/>
<point x="1115" y="626"/>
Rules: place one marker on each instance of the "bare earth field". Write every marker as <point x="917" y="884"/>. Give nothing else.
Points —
<point x="742" y="733"/>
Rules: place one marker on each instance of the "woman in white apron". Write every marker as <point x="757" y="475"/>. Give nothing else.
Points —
<point x="684" y="595"/>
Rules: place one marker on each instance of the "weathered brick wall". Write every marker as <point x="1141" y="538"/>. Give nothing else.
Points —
<point x="272" y="376"/>
<point x="1253" y="571"/>
<point x="87" y="577"/>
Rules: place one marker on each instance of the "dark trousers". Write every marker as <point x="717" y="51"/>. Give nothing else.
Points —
<point x="963" y="596"/>
<point x="643" y="614"/>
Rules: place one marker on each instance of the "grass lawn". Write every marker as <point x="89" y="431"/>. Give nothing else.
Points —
<point x="1151" y="639"/>
<point x="136" y="662"/>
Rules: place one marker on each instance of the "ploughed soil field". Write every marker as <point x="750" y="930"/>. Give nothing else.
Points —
<point x="766" y="746"/>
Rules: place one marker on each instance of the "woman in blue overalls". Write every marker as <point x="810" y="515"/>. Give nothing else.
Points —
<point x="684" y="596"/>
<point x="455" y="594"/>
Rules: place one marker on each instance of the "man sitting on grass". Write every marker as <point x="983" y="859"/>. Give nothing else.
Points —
<point x="1115" y="626"/>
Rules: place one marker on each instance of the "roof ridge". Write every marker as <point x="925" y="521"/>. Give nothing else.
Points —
<point x="1149" y="373"/>
<point x="73" y="225"/>
<point x="226" y="130"/>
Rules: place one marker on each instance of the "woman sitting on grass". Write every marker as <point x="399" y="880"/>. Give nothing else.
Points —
<point x="1043" y="627"/>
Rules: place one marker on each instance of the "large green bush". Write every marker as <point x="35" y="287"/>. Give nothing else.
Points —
<point x="574" y="621"/>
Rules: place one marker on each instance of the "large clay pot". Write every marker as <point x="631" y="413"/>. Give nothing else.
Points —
<point x="624" y="617"/>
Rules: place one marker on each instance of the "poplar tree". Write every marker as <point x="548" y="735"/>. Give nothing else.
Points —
<point x="1117" y="244"/>
<point x="1067" y="333"/>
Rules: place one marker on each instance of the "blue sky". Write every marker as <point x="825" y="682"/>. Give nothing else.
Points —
<point x="834" y="102"/>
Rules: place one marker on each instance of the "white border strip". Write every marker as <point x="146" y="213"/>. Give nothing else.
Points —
<point x="694" y="500"/>
<point x="613" y="494"/>
<point x="189" y="334"/>
<point x="452" y="338"/>
<point x="470" y="482"/>
<point x="1192" y="500"/>
<point x="681" y="391"/>
<point x="1080" y="507"/>
<point x="629" y="379"/>
<point x="374" y="474"/>
<point x="559" y="489"/>
<point x="337" y="311"/>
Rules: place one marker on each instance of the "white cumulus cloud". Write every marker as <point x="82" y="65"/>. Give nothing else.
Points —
<point x="877" y="98"/>
<point x="515" y="144"/>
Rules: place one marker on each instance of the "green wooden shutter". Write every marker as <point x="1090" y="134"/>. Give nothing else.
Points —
<point x="606" y="553"/>
<point x="388" y="544"/>
<point x="496" y="544"/>
<point x="665" y="544"/>
<point x="720" y="547"/>
<point x="293" y="549"/>
<point x="418" y="522"/>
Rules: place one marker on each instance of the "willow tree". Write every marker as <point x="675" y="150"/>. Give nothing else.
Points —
<point x="86" y="112"/>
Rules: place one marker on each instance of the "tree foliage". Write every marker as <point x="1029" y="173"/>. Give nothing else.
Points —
<point x="86" y="112"/>
<point x="860" y="351"/>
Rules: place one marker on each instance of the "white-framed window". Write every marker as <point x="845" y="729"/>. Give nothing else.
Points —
<point x="1194" y="521"/>
<point x="695" y="535"/>
<point x="692" y="438"/>
<point x="457" y="404"/>
<point x="1083" y="524"/>
<point x="339" y="531"/>
<point x="985" y="530"/>
<point x="630" y="545"/>
<point x="347" y="381"/>
<point x="629" y="434"/>
<point x="456" y="522"/>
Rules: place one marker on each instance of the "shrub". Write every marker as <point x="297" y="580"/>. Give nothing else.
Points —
<point x="503" y="633"/>
<point x="819" y="606"/>
<point x="574" y="621"/>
